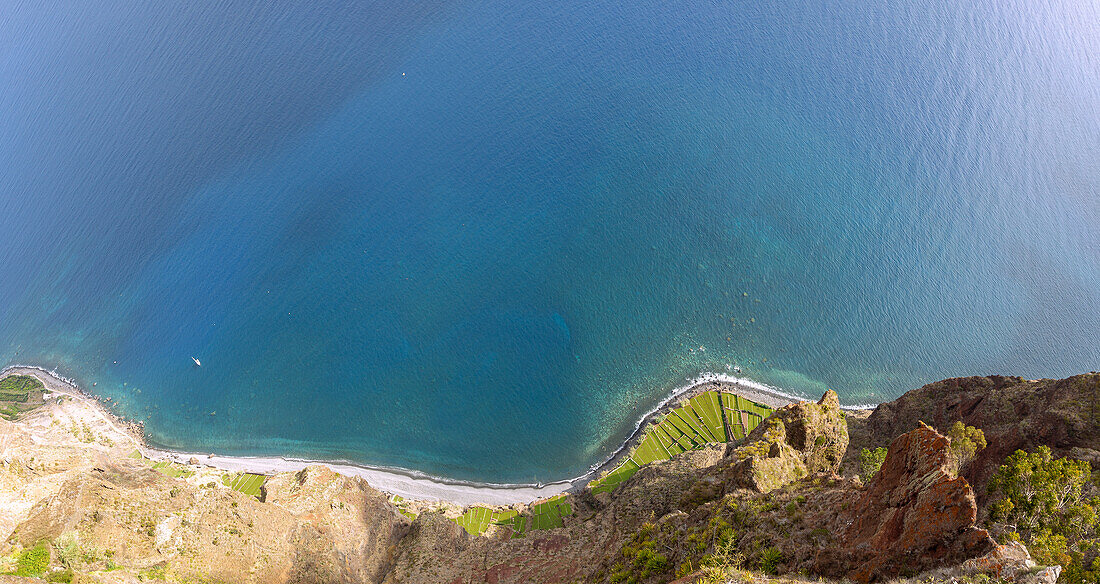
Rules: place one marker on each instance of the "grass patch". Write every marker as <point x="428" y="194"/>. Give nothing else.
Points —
<point x="33" y="562"/>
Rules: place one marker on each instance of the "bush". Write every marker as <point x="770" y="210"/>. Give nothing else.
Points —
<point x="33" y="561"/>
<point x="770" y="559"/>
<point x="966" y="441"/>
<point x="67" y="548"/>
<point x="870" y="461"/>
<point x="1051" y="506"/>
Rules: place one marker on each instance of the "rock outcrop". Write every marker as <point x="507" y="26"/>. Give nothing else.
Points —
<point x="1014" y="413"/>
<point x="796" y="441"/>
<point x="913" y="515"/>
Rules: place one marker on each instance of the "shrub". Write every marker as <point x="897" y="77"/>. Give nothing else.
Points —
<point x="720" y="567"/>
<point x="1051" y="506"/>
<point x="770" y="559"/>
<point x="870" y="461"/>
<point x="67" y="548"/>
<point x="966" y="441"/>
<point x="32" y="562"/>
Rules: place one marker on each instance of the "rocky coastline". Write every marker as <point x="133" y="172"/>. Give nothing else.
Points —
<point x="785" y="504"/>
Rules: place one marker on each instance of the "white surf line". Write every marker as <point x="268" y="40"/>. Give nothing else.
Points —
<point x="409" y="483"/>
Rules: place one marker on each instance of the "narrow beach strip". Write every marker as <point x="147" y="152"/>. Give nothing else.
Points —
<point x="407" y="483"/>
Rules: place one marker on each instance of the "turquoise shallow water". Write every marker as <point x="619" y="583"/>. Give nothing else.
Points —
<point x="480" y="239"/>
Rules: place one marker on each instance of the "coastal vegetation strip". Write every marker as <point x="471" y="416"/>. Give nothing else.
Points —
<point x="243" y="482"/>
<point x="18" y="388"/>
<point x="546" y="514"/>
<point x="19" y="393"/>
<point x="706" y="418"/>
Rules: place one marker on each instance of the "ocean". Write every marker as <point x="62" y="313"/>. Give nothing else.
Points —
<point x="480" y="239"/>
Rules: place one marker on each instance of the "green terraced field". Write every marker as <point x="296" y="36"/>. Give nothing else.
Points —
<point x="244" y="482"/>
<point x="546" y="514"/>
<point x="706" y="418"/>
<point x="17" y="388"/>
<point x="176" y="471"/>
<point x="475" y="520"/>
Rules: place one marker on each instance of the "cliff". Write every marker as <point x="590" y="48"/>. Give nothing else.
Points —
<point x="780" y="501"/>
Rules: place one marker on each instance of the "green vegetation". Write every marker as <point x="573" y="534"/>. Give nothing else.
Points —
<point x="9" y="412"/>
<point x="172" y="469"/>
<point x="33" y="562"/>
<point x="1051" y="505"/>
<point x="244" y="482"/>
<point x="247" y="483"/>
<point x="475" y="520"/>
<point x="546" y="514"/>
<point x="17" y="388"/>
<point x="770" y="559"/>
<point x="707" y="418"/>
<point x="640" y="558"/>
<point x="400" y="503"/>
<point x="67" y="548"/>
<point x="870" y="461"/>
<point x="15" y="392"/>
<point x="723" y="565"/>
<point x="966" y="441"/>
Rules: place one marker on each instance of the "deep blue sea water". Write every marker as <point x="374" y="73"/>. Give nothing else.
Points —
<point x="478" y="239"/>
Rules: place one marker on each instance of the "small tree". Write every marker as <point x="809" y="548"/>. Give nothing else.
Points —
<point x="1050" y="504"/>
<point x="870" y="461"/>
<point x="966" y="441"/>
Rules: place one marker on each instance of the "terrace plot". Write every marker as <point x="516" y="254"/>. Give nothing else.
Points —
<point x="650" y="450"/>
<point x="475" y="520"/>
<point x="548" y="514"/>
<point x="671" y="446"/>
<point x="709" y="410"/>
<point x="681" y="436"/>
<point x="609" y="481"/>
<point x="247" y="483"/>
<point x="517" y="522"/>
<point x="172" y="469"/>
<point x="700" y="433"/>
<point x="709" y="417"/>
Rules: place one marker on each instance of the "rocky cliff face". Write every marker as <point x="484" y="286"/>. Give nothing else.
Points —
<point x="797" y="440"/>
<point x="912" y="516"/>
<point x="776" y="499"/>
<point x="1014" y="413"/>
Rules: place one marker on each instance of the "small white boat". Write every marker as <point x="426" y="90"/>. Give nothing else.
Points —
<point x="197" y="362"/>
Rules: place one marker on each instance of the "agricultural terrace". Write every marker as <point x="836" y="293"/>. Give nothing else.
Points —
<point x="707" y="418"/>
<point x="545" y="514"/>
<point x="19" y="393"/>
<point x="244" y="482"/>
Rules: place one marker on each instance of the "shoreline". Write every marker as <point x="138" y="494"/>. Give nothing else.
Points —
<point x="408" y="483"/>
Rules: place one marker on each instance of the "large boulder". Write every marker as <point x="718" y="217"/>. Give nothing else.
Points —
<point x="913" y="515"/>
<point x="795" y="441"/>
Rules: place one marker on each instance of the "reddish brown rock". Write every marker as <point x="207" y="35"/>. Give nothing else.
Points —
<point x="1014" y="413"/>
<point x="912" y="516"/>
